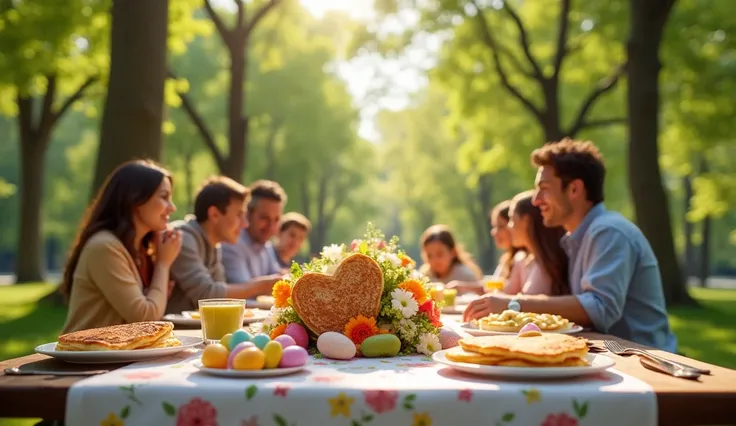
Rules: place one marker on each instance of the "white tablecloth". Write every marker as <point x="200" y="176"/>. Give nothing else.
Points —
<point x="393" y="391"/>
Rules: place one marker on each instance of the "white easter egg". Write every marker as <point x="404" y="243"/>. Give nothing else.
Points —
<point x="336" y="346"/>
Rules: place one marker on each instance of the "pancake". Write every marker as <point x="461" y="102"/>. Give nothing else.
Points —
<point x="513" y="321"/>
<point x="570" y="362"/>
<point x="539" y="349"/>
<point x="459" y="354"/>
<point x="117" y="337"/>
<point x="327" y="302"/>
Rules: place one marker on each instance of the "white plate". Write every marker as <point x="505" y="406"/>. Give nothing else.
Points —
<point x="185" y="318"/>
<point x="104" y="357"/>
<point x="597" y="362"/>
<point x="265" y="302"/>
<point x="474" y="331"/>
<point x="271" y="372"/>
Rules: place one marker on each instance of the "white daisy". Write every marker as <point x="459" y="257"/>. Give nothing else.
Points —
<point x="390" y="257"/>
<point x="404" y="301"/>
<point x="428" y="344"/>
<point x="416" y="275"/>
<point x="332" y="252"/>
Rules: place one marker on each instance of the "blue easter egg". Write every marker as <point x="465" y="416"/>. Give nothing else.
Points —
<point x="238" y="337"/>
<point x="260" y="340"/>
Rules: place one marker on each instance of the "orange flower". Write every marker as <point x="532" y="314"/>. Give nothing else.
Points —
<point x="281" y="293"/>
<point x="416" y="288"/>
<point x="406" y="260"/>
<point x="277" y="331"/>
<point x="360" y="328"/>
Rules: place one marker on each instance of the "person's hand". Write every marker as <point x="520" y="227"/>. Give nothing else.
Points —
<point x="464" y="287"/>
<point x="489" y="304"/>
<point x="168" y="245"/>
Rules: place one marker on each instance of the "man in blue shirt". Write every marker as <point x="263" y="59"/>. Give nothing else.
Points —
<point x="614" y="276"/>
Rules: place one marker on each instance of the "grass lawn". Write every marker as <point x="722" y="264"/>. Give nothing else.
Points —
<point x="706" y="333"/>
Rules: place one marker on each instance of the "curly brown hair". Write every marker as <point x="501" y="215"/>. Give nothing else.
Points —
<point x="573" y="159"/>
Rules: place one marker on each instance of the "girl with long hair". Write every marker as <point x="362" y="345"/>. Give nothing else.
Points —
<point x="544" y="269"/>
<point x="445" y="260"/>
<point x="499" y="218"/>
<point x="118" y="270"/>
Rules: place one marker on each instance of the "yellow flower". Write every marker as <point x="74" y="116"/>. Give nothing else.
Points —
<point x="422" y="419"/>
<point x="406" y="261"/>
<point x="281" y="293"/>
<point x="416" y="288"/>
<point x="340" y="405"/>
<point x="112" y="420"/>
<point x="532" y="396"/>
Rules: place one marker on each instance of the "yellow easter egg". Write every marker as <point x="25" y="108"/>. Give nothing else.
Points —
<point x="249" y="359"/>
<point x="215" y="356"/>
<point x="225" y="341"/>
<point x="272" y="352"/>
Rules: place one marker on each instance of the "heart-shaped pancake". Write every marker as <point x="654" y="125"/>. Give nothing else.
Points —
<point x="327" y="302"/>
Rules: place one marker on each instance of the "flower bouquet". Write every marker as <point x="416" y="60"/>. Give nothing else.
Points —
<point x="406" y="310"/>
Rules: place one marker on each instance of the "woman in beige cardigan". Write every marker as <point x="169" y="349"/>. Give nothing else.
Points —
<point x="118" y="271"/>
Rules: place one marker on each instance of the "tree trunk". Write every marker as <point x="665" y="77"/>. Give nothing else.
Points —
<point x="704" y="264"/>
<point x="29" y="263"/>
<point x="237" y="123"/>
<point x="134" y="108"/>
<point x="647" y="21"/>
<point x="689" y="251"/>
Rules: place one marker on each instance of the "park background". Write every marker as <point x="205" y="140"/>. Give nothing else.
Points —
<point x="403" y="113"/>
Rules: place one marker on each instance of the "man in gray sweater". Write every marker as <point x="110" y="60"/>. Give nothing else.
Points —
<point x="219" y="216"/>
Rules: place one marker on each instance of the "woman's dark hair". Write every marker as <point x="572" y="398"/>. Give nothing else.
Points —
<point x="501" y="210"/>
<point x="128" y="186"/>
<point x="442" y="234"/>
<point x="545" y="243"/>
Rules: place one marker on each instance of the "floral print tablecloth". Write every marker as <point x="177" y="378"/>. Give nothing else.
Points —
<point x="410" y="391"/>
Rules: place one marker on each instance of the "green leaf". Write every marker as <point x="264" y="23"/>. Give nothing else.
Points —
<point x="367" y="417"/>
<point x="410" y="397"/>
<point x="250" y="392"/>
<point x="583" y="410"/>
<point x="280" y="421"/>
<point x="508" y="417"/>
<point x="125" y="412"/>
<point x="169" y="409"/>
<point x="408" y="406"/>
<point x="355" y="423"/>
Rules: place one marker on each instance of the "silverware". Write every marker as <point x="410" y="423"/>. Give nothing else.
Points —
<point x="15" y="371"/>
<point x="656" y="362"/>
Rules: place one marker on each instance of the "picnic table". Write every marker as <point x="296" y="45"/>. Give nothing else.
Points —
<point x="710" y="400"/>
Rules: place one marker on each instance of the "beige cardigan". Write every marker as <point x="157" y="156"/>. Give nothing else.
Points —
<point x="107" y="288"/>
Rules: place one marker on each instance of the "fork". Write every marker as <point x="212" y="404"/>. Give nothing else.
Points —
<point x="665" y="365"/>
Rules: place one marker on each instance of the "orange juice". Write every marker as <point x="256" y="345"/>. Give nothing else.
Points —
<point x="492" y="284"/>
<point x="220" y="317"/>
<point x="437" y="294"/>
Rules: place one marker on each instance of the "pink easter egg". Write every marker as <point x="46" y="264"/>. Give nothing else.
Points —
<point x="236" y="350"/>
<point x="285" y="340"/>
<point x="529" y="327"/>
<point x="298" y="333"/>
<point x="448" y="338"/>
<point x="293" y="356"/>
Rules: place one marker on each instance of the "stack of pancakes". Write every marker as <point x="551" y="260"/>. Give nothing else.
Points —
<point x="125" y="337"/>
<point x="526" y="350"/>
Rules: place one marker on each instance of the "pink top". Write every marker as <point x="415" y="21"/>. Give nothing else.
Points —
<point x="527" y="277"/>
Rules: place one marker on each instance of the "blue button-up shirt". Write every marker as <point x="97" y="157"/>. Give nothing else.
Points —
<point x="247" y="260"/>
<point x="615" y="276"/>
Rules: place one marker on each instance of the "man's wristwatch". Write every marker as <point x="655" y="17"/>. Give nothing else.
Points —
<point x="514" y="305"/>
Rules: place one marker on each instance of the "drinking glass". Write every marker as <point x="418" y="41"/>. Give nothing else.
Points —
<point x="449" y="296"/>
<point x="493" y="283"/>
<point x="220" y="317"/>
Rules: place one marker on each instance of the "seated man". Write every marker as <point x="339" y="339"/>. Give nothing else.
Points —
<point x="219" y="216"/>
<point x="293" y="231"/>
<point x="614" y="276"/>
<point x="249" y="257"/>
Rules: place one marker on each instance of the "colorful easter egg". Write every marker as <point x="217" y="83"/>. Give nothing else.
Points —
<point x="215" y="356"/>
<point x="236" y="350"/>
<point x="336" y="346"/>
<point x="381" y="345"/>
<point x="293" y="356"/>
<point x="250" y="358"/>
<point x="260" y="340"/>
<point x="273" y="351"/>
<point x="238" y="337"/>
<point x="298" y="333"/>
<point x="285" y="340"/>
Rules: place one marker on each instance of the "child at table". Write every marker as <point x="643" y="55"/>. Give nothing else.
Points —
<point x="544" y="269"/>
<point x="499" y="218"/>
<point x="118" y="271"/>
<point x="446" y="261"/>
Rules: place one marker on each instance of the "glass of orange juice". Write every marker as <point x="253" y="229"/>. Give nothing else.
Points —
<point x="449" y="295"/>
<point x="436" y="292"/>
<point x="220" y="317"/>
<point x="493" y="283"/>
